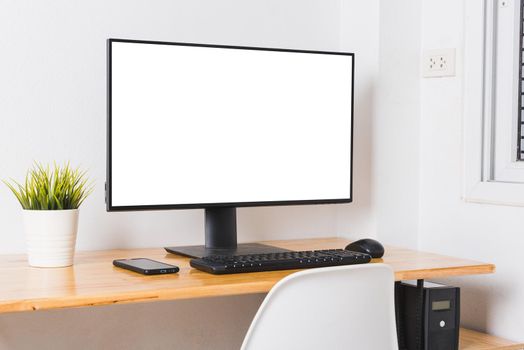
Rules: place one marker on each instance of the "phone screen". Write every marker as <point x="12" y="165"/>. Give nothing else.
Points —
<point x="146" y="264"/>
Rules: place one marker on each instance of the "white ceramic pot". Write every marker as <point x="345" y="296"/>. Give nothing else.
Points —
<point x="51" y="237"/>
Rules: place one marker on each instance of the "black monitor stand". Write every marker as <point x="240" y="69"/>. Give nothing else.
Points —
<point x="221" y="237"/>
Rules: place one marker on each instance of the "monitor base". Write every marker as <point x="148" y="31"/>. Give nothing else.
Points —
<point x="199" y="251"/>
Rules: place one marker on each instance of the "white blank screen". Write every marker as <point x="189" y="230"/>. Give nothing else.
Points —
<point x="200" y="125"/>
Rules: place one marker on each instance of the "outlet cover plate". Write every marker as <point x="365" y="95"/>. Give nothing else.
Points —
<point x="438" y="63"/>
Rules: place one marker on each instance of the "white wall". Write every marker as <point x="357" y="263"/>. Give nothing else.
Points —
<point x="214" y="323"/>
<point x="359" y="32"/>
<point x="418" y="162"/>
<point x="53" y="100"/>
<point x="448" y="225"/>
<point x="387" y="189"/>
<point x="396" y="124"/>
<point x="52" y="107"/>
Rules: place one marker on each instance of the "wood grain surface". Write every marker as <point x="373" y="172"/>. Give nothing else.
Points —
<point x="471" y="340"/>
<point x="93" y="280"/>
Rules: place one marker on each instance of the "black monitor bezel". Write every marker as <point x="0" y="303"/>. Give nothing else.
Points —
<point x="108" y="186"/>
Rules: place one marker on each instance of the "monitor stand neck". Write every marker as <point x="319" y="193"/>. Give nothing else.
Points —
<point x="221" y="228"/>
<point x="221" y="237"/>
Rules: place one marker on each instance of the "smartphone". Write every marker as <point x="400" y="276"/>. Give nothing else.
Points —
<point x="146" y="266"/>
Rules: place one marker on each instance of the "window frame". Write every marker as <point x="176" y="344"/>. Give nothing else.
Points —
<point x="505" y="69"/>
<point x="492" y="174"/>
<point x="520" y="117"/>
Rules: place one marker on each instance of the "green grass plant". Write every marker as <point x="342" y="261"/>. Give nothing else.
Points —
<point x="52" y="187"/>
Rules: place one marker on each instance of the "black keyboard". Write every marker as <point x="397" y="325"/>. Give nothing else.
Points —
<point x="223" y="264"/>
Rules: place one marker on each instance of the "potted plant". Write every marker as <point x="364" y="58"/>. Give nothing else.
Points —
<point x="50" y="197"/>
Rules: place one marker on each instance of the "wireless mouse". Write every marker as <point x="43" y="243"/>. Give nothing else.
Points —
<point x="368" y="246"/>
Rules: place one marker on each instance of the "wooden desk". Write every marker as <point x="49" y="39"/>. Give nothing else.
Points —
<point x="93" y="280"/>
<point x="471" y="340"/>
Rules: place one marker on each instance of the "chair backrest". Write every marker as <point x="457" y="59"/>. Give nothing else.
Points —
<point x="342" y="307"/>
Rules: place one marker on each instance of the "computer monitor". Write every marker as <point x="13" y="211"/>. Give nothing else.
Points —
<point x="219" y="127"/>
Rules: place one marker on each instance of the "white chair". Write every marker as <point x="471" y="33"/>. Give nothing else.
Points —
<point x="342" y="307"/>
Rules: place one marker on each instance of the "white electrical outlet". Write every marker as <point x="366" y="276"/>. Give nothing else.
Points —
<point x="438" y="63"/>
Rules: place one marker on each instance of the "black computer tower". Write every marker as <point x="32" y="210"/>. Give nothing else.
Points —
<point x="428" y="316"/>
